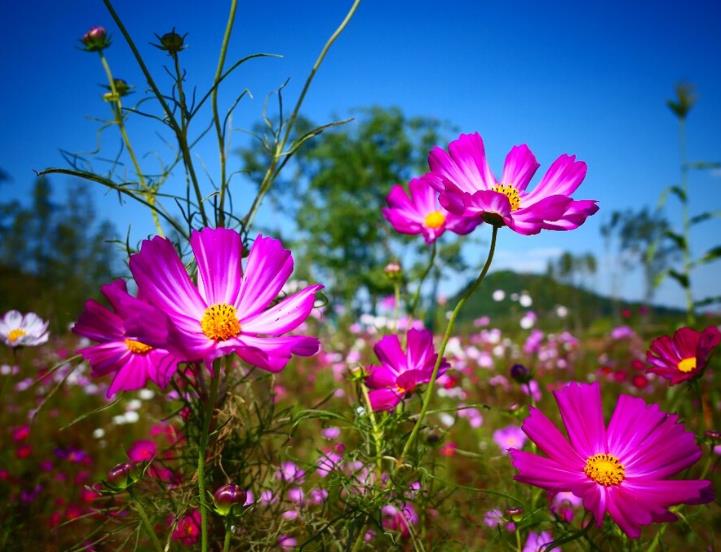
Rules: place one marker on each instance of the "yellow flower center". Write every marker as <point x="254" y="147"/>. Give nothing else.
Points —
<point x="511" y="193"/>
<point x="687" y="365"/>
<point x="220" y="322"/>
<point x="605" y="469"/>
<point x="17" y="333"/>
<point x="435" y="219"/>
<point x="137" y="347"/>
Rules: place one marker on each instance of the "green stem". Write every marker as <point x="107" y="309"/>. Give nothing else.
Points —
<point x="138" y="506"/>
<point x="219" y="130"/>
<point x="120" y="121"/>
<point x="690" y="314"/>
<point x="170" y="118"/>
<point x="202" y="448"/>
<point x="271" y="172"/>
<point x="417" y="296"/>
<point x="377" y="431"/>
<point x="444" y="342"/>
<point x="226" y="540"/>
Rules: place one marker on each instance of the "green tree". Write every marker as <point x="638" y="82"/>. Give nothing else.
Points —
<point x="53" y="255"/>
<point x="337" y="190"/>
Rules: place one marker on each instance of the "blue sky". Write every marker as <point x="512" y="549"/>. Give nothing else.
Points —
<point x="589" y="78"/>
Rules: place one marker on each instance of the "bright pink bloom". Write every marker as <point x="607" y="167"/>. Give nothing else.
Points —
<point x="399" y="519"/>
<point x="469" y="188"/>
<point x="229" y="311"/>
<point x="510" y="437"/>
<point x="421" y="213"/>
<point x="401" y="372"/>
<point x="120" y="352"/>
<point x="142" y="450"/>
<point x="536" y="542"/>
<point x="683" y="356"/>
<point x="622" y="469"/>
<point x="187" y="531"/>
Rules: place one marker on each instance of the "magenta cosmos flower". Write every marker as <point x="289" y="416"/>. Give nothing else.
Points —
<point x="683" y="356"/>
<point x="469" y="188"/>
<point x="230" y="309"/>
<point x="421" y="213"/>
<point x="622" y="469"/>
<point x="119" y="351"/>
<point x="401" y="372"/>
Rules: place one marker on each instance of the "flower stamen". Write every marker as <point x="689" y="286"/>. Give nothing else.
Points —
<point x="137" y="347"/>
<point x="514" y="198"/>
<point x="16" y="334"/>
<point x="434" y="219"/>
<point x="605" y="469"/>
<point x="220" y="322"/>
<point x="687" y="365"/>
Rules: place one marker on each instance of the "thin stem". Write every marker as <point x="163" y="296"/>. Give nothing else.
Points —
<point x="138" y="506"/>
<point x="170" y="118"/>
<point x="444" y="342"/>
<point x="219" y="130"/>
<point x="117" y="107"/>
<point x="271" y="172"/>
<point x="202" y="448"/>
<point x="417" y="295"/>
<point x="690" y="314"/>
<point x="226" y="540"/>
<point x="377" y="431"/>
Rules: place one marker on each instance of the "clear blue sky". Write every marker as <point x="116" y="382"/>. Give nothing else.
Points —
<point x="589" y="78"/>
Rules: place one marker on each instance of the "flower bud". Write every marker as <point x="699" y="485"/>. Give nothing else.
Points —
<point x="171" y="42"/>
<point x="228" y="496"/>
<point x="520" y="373"/>
<point x="121" y="476"/>
<point x="122" y="88"/>
<point x="516" y="514"/>
<point x="96" y="39"/>
<point x="393" y="270"/>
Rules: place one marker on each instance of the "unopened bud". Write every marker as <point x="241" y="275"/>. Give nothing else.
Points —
<point x="393" y="270"/>
<point x="228" y="496"/>
<point x="171" y="42"/>
<point x="96" y="39"/>
<point x="520" y="373"/>
<point x="121" y="476"/>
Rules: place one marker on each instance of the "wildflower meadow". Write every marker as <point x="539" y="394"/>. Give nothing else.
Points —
<point x="292" y="335"/>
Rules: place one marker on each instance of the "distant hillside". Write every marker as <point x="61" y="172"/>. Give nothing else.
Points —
<point x="584" y="306"/>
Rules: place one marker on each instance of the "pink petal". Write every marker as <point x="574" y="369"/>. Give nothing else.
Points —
<point x="520" y="167"/>
<point x="562" y="178"/>
<point x="218" y="255"/>
<point x="389" y="352"/>
<point x="380" y="376"/>
<point x="287" y="315"/>
<point x="268" y="269"/>
<point x="464" y="165"/>
<point x="99" y="324"/>
<point x="582" y="413"/>
<point x="545" y="472"/>
<point x="383" y="399"/>
<point x="551" y="441"/>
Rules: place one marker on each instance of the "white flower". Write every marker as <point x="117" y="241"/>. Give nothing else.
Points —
<point x="99" y="433"/>
<point x="561" y="311"/>
<point x="146" y="394"/>
<point x="525" y="300"/>
<point x="23" y="331"/>
<point x="499" y="295"/>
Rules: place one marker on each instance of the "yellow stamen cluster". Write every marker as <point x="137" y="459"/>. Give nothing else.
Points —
<point x="137" y="347"/>
<point x="435" y="219"/>
<point x="511" y="193"/>
<point x="687" y="365"/>
<point x="16" y="334"/>
<point x="605" y="469"/>
<point x="220" y="322"/>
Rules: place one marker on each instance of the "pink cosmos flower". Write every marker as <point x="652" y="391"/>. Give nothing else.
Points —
<point x="142" y="450"/>
<point x="399" y="519"/>
<point x="510" y="437"/>
<point x="119" y="351"/>
<point x="187" y="531"/>
<point x="421" y="213"/>
<point x="683" y="356"/>
<point x="622" y="469"/>
<point x="468" y="187"/>
<point x="537" y="541"/>
<point x="229" y="311"/>
<point x="401" y="372"/>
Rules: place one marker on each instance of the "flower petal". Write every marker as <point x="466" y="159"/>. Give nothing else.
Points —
<point x="582" y="413"/>
<point x="283" y="317"/>
<point x="519" y="168"/>
<point x="218" y="254"/>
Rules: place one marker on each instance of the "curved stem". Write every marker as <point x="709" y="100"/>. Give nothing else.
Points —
<point x="220" y="130"/>
<point x="170" y="118"/>
<point x="202" y="448"/>
<point x="377" y="432"/>
<point x="271" y="172"/>
<point x="138" y="506"/>
<point x="120" y="121"/>
<point x="417" y="295"/>
<point x="444" y="342"/>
